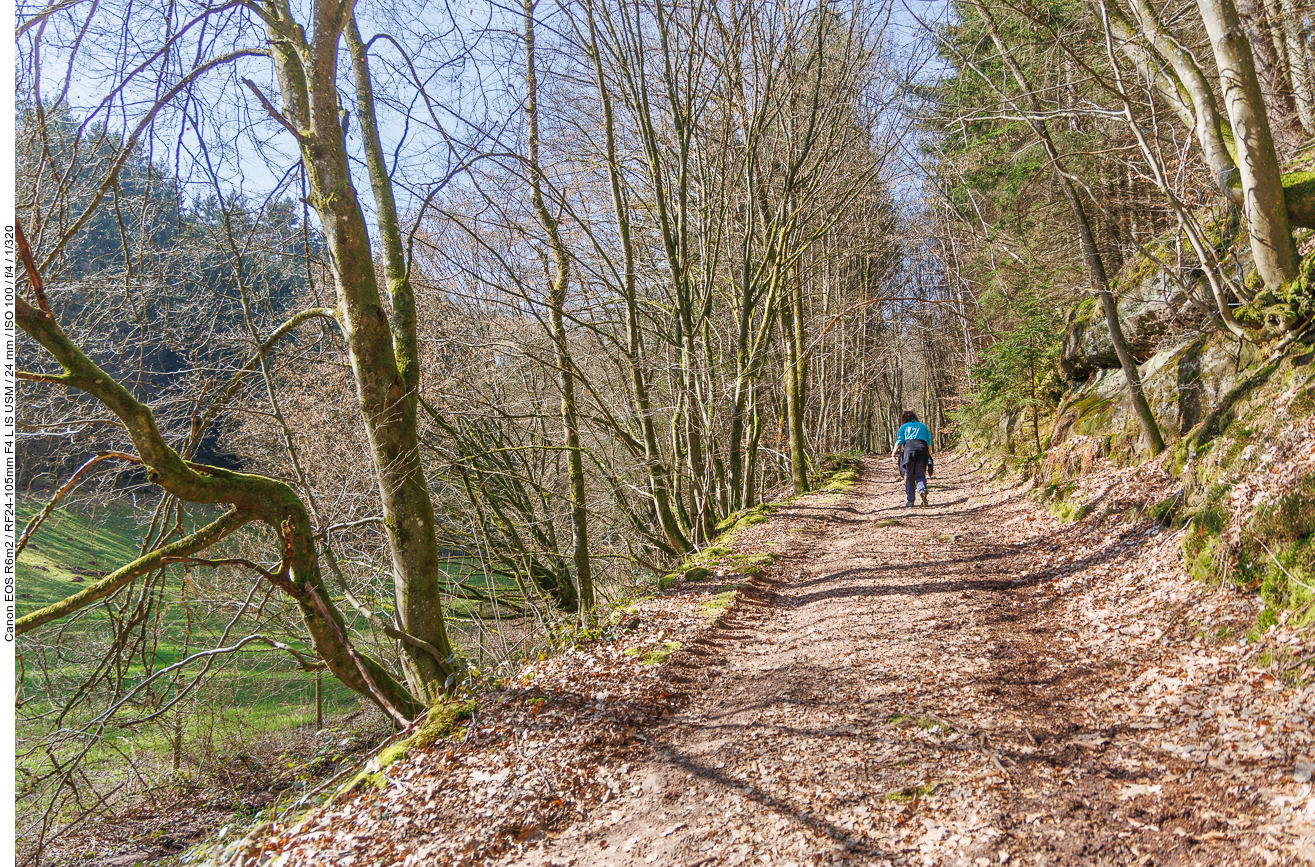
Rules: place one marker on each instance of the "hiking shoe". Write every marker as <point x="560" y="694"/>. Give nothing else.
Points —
<point x="924" y="498"/>
<point x="909" y="504"/>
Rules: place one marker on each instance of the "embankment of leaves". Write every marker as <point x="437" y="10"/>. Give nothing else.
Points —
<point x="1217" y="669"/>
<point x="1238" y="490"/>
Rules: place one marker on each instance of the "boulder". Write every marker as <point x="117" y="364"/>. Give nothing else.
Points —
<point x="1154" y="312"/>
<point x="1183" y="383"/>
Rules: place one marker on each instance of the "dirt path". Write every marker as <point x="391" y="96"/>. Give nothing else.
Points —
<point x="905" y="694"/>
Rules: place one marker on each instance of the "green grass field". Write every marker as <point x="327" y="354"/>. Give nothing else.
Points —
<point x="258" y="691"/>
<point x="255" y="705"/>
<point x="79" y="543"/>
<point x="71" y="548"/>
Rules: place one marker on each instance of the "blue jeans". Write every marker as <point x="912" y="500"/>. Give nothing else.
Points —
<point x="915" y="475"/>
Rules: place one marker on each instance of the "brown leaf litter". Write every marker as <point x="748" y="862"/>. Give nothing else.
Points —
<point x="976" y="684"/>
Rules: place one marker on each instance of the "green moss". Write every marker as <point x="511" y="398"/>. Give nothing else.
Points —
<point x="365" y="780"/>
<point x="1277" y="552"/>
<point x="1141" y="268"/>
<point x="1292" y="517"/>
<point x="717" y="604"/>
<point x="1299" y="185"/>
<point x="902" y="796"/>
<point x="1069" y="512"/>
<point x="1082" y="313"/>
<point x="1235" y="447"/>
<point x="444" y="721"/>
<point x="836" y="473"/>
<point x="658" y="654"/>
<point x="1303" y="404"/>
<point x="749" y="564"/>
<point x="924" y="723"/>
<point x="697" y="573"/>
<point x="1224" y="414"/>
<point x="1202" y="538"/>
<point x="887" y="522"/>
<point x="1093" y="414"/>
<point x="712" y="553"/>
<point x="1264" y="620"/>
<point x="371" y="776"/>
<point x="1177" y="460"/>
<point x="743" y="519"/>
<point x="841" y="481"/>
<point x="1165" y="511"/>
<point x="393" y="753"/>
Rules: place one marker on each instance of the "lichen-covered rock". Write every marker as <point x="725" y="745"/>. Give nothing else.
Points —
<point x="1183" y="383"/>
<point x="1153" y="312"/>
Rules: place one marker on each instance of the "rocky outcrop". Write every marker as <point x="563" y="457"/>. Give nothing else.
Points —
<point x="1154" y="311"/>
<point x="1184" y="383"/>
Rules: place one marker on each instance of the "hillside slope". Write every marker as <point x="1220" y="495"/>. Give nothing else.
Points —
<point x="971" y="683"/>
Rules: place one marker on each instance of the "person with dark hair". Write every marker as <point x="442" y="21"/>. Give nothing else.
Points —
<point x="915" y="464"/>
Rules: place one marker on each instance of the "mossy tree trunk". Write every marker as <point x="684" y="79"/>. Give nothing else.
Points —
<point x="383" y="349"/>
<point x="556" y="301"/>
<point x="795" y="384"/>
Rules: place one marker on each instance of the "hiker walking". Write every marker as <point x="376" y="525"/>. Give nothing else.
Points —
<point x="915" y="464"/>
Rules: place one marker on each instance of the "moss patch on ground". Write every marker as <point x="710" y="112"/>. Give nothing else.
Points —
<point x="912" y="793"/>
<point x="717" y="604"/>
<point x="443" y="722"/>
<point x="720" y="556"/>
<point x="1069" y="512"/>
<point x="745" y="518"/>
<point x="836" y="472"/>
<point x="1277" y="553"/>
<point x="655" y="655"/>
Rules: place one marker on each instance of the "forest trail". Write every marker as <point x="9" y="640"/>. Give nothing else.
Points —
<point x="909" y="693"/>
<point x="972" y="683"/>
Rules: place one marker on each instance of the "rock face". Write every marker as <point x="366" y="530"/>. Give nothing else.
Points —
<point x="1184" y="383"/>
<point x="1153" y="312"/>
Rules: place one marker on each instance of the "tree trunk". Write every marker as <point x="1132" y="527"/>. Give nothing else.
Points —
<point x="412" y="535"/>
<point x="556" y="301"/>
<point x="1265" y="39"/>
<point x="383" y="353"/>
<point x="1212" y="131"/>
<point x="1300" y="63"/>
<point x="794" y="388"/>
<point x="1257" y="160"/>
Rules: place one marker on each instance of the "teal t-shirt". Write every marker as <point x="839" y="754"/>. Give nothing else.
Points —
<point x="914" y="430"/>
